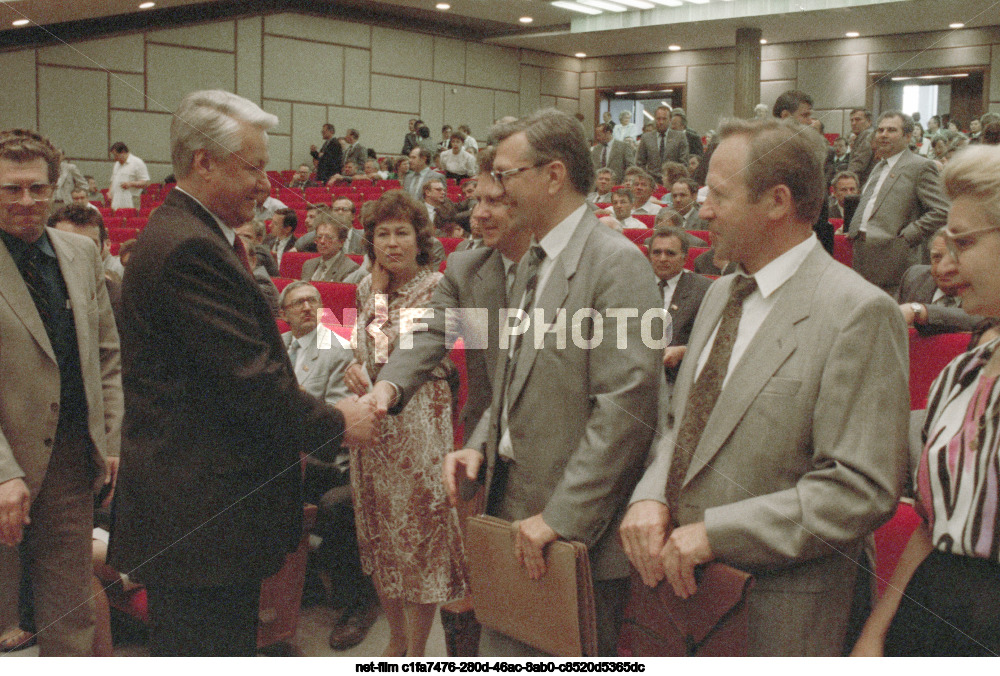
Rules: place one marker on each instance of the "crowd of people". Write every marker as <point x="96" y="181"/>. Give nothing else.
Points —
<point x="768" y="430"/>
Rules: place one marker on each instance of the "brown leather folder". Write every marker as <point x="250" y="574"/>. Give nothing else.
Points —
<point x="554" y="614"/>
<point x="711" y="623"/>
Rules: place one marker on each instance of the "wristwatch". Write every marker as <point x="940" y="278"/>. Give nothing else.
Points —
<point x="917" y="309"/>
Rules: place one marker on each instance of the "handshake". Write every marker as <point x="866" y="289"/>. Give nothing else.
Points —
<point x="363" y="412"/>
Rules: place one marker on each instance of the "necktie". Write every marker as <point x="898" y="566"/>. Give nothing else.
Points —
<point x="604" y="156"/>
<point x="869" y="193"/>
<point x="663" y="136"/>
<point x="31" y="271"/>
<point x="706" y="390"/>
<point x="947" y="301"/>
<point x="293" y="352"/>
<point x="509" y="282"/>
<point x="529" y="276"/>
<point x="663" y="289"/>
<point x="241" y="253"/>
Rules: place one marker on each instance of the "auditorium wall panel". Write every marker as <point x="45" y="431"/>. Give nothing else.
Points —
<point x="318" y="29"/>
<point x="121" y="53"/>
<point x="504" y="104"/>
<point x="491" y="67"/>
<point x="249" y="42"/>
<point x="19" y="73"/>
<point x="357" y="83"/>
<point x="530" y="88"/>
<point x="839" y="81"/>
<point x="403" y="53"/>
<point x="218" y="35"/>
<point x="431" y="112"/>
<point x="299" y="70"/>
<point x="127" y="91"/>
<point x="307" y="120"/>
<point x="63" y="110"/>
<point x="716" y="90"/>
<point x="172" y="72"/>
<point x="449" y="60"/>
<point x="283" y="109"/>
<point x="394" y="93"/>
<point x="469" y="105"/>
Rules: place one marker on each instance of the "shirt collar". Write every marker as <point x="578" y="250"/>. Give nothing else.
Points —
<point x="890" y="162"/>
<point x="772" y="276"/>
<point x="227" y="232"/>
<point x="306" y="341"/>
<point x="558" y="237"/>
<point x="17" y="247"/>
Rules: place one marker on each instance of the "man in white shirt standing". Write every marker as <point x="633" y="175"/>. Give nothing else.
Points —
<point x="786" y="437"/>
<point x="128" y="177"/>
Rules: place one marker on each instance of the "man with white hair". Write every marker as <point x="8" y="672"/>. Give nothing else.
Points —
<point x="209" y="497"/>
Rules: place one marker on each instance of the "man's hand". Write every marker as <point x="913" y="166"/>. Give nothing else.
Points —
<point x="907" y="313"/>
<point x="383" y="395"/>
<point x="360" y="420"/>
<point x="355" y="379"/>
<point x="644" y="532"/>
<point x="672" y="355"/>
<point x="15" y="503"/>
<point x="529" y="544"/>
<point x="686" y="548"/>
<point x="467" y="462"/>
<point x="313" y="149"/>
<point x="112" y="462"/>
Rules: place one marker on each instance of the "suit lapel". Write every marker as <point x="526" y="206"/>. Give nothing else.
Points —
<point x="891" y="179"/>
<point x="551" y="299"/>
<point x="15" y="292"/>
<point x="773" y="344"/>
<point x="490" y="292"/>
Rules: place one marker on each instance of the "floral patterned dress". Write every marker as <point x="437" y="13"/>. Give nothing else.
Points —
<point x="408" y="535"/>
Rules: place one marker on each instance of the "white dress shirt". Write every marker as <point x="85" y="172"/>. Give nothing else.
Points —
<point x="758" y="304"/>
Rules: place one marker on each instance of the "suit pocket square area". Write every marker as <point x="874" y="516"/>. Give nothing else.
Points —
<point x="786" y="387"/>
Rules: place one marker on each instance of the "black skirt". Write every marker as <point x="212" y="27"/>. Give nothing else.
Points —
<point x="951" y="608"/>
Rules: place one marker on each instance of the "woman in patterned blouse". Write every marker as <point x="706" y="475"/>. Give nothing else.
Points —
<point x="944" y="597"/>
<point x="408" y="536"/>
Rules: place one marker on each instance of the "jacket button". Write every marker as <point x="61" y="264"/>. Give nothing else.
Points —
<point x="48" y="443"/>
<point x="670" y="420"/>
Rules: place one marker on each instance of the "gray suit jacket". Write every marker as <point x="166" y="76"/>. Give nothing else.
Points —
<point x="675" y="150"/>
<point x="804" y="453"/>
<point x="909" y="208"/>
<point x="620" y="157"/>
<point x="341" y="267"/>
<point x="472" y="279"/>
<point x="324" y="364"/>
<point x="918" y="286"/>
<point x="862" y="155"/>
<point x="581" y="420"/>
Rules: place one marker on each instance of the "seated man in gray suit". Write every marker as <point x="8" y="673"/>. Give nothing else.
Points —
<point x="611" y="154"/>
<point x="603" y="184"/>
<point x="786" y="440"/>
<point x="684" y="193"/>
<point x="681" y="290"/>
<point x="331" y="265"/>
<point x="662" y="145"/>
<point x="320" y="357"/>
<point x="901" y="206"/>
<point x="929" y="296"/>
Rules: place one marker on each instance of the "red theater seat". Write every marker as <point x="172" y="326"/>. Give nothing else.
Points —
<point x="449" y="243"/>
<point x="292" y="262"/>
<point x="928" y="355"/>
<point x="337" y="297"/>
<point x="890" y="541"/>
<point x="638" y="235"/>
<point x="843" y="249"/>
<point x="693" y="253"/>
<point x="648" y="219"/>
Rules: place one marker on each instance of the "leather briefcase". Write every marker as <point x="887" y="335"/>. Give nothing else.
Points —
<point x="554" y="614"/>
<point x="710" y="623"/>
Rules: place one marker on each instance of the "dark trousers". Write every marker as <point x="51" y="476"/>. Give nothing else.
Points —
<point x="203" y="621"/>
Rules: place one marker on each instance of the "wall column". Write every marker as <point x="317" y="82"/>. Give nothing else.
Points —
<point x="747" y="71"/>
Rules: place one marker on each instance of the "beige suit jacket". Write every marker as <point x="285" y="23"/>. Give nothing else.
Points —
<point x="29" y="407"/>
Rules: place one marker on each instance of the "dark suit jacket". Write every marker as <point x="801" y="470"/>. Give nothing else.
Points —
<point x="336" y="273"/>
<point x="209" y="487"/>
<point x="683" y="308"/>
<point x="694" y="143"/>
<point x="918" y="286"/>
<point x="620" y="157"/>
<point x="330" y="158"/>
<point x="357" y="154"/>
<point x="675" y="150"/>
<point x="472" y="279"/>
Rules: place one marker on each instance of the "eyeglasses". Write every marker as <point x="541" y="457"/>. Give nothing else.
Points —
<point x="345" y="209"/>
<point x="302" y="302"/>
<point x="960" y="243"/>
<point x="325" y="238"/>
<point x="499" y="176"/>
<point x="11" y="193"/>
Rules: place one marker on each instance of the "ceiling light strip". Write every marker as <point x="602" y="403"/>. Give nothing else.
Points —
<point x="576" y="7"/>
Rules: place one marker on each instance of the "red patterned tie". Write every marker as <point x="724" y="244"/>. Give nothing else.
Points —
<point x="241" y="253"/>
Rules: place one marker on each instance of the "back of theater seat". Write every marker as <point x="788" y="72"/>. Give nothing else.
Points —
<point x="292" y="262"/>
<point x="693" y="253"/>
<point x="638" y="235"/>
<point x="336" y="296"/>
<point x="928" y="355"/>
<point x="648" y="219"/>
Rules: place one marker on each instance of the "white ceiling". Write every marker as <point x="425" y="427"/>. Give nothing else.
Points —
<point x="497" y="21"/>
